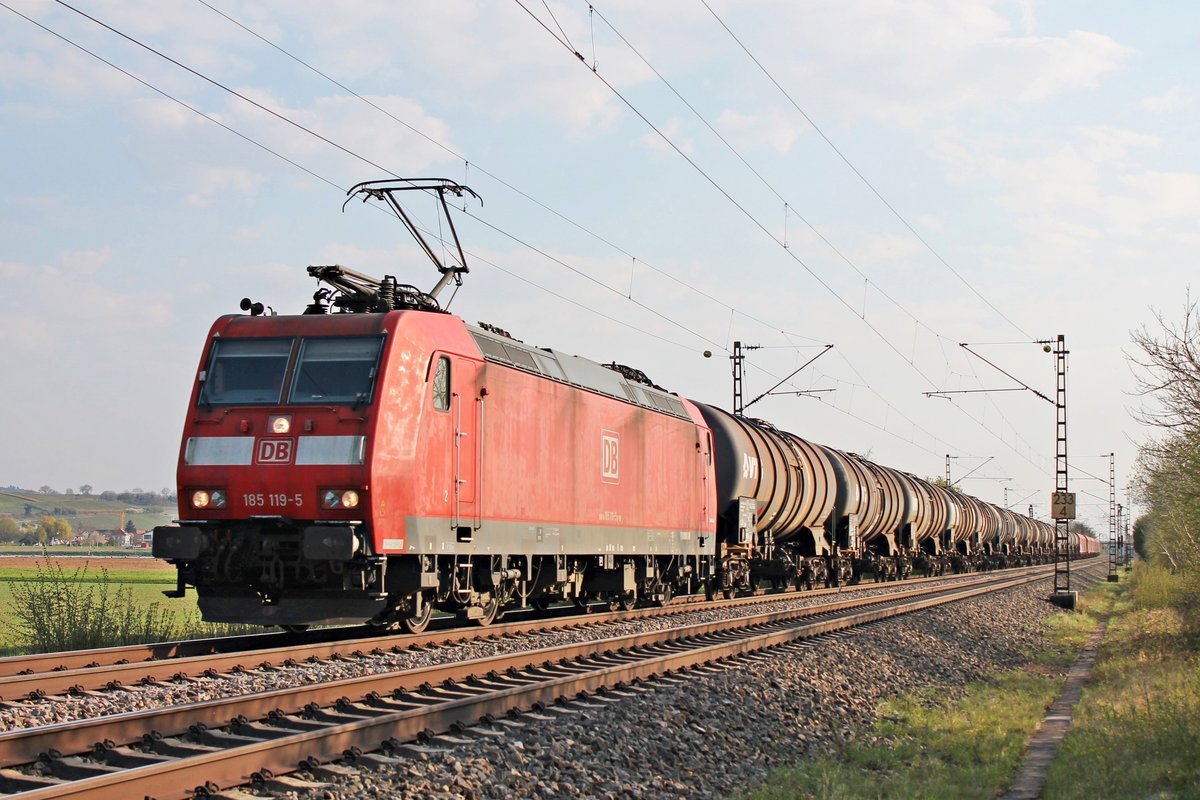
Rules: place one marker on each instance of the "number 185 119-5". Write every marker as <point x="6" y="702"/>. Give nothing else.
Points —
<point x="272" y="500"/>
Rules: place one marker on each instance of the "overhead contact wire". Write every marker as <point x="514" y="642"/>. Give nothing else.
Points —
<point x="788" y="206"/>
<point x="770" y="187"/>
<point x="733" y="201"/>
<point x="225" y="88"/>
<point x="862" y="177"/>
<point x="327" y="181"/>
<point x="174" y="99"/>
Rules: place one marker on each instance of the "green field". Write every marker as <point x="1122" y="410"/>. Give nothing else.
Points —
<point x="116" y="575"/>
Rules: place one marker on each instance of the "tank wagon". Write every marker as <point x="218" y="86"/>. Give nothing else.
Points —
<point x="376" y="457"/>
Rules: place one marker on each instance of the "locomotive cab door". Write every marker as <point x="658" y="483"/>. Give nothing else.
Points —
<point x="466" y="411"/>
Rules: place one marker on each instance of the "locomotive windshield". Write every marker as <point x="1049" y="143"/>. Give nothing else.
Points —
<point x="327" y="370"/>
<point x="340" y="370"/>
<point x="245" y="372"/>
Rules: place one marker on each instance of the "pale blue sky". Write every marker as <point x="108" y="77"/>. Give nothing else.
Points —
<point x="1045" y="151"/>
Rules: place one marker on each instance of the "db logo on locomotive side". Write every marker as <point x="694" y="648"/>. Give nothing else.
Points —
<point x="274" y="451"/>
<point x="610" y="457"/>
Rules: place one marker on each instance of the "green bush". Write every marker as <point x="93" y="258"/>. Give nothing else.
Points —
<point x="1156" y="586"/>
<point x="60" y="611"/>
<point x="57" y="610"/>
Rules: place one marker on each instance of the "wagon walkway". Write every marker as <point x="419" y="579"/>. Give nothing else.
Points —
<point x="1043" y="747"/>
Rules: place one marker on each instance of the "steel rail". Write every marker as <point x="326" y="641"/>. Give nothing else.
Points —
<point x="407" y="722"/>
<point x="61" y="661"/>
<point x="92" y="678"/>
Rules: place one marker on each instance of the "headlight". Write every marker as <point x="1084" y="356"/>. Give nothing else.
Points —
<point x="279" y="425"/>
<point x="339" y="498"/>
<point x="208" y="498"/>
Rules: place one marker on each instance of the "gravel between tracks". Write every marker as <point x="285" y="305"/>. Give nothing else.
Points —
<point x="709" y="737"/>
<point x="25" y="714"/>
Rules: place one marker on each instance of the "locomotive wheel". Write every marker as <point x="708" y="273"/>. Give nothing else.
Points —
<point x="541" y="603"/>
<point x="417" y="623"/>
<point x="294" y="628"/>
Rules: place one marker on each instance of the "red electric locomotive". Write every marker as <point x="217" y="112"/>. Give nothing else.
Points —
<point x="348" y="466"/>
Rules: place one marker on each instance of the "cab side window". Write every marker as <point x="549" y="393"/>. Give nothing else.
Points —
<point x="441" y="384"/>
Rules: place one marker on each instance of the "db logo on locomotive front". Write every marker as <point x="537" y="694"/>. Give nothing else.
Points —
<point x="274" y="451"/>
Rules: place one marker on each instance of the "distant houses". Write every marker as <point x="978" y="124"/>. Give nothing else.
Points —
<point x="113" y="538"/>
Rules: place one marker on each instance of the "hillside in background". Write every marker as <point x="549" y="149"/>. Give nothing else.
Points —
<point x="104" y="511"/>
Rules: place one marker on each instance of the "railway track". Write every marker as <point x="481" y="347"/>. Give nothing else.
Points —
<point x="170" y="752"/>
<point x="41" y="675"/>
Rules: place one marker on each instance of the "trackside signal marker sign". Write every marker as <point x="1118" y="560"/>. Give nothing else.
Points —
<point x="1062" y="505"/>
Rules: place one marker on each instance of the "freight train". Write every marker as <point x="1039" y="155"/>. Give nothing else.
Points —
<point x="375" y="458"/>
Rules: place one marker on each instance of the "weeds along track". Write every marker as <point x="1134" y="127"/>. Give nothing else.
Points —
<point x="169" y="751"/>
<point x="74" y="672"/>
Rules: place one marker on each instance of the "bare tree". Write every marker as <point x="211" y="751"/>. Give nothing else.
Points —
<point x="1168" y="479"/>
<point x="1168" y="371"/>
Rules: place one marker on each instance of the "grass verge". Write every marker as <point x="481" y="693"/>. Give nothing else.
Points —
<point x="1136" y="730"/>
<point x="1134" y="733"/>
<point x="928" y="746"/>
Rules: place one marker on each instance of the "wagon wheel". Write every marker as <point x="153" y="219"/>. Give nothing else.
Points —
<point x="582" y="600"/>
<point x="541" y="603"/>
<point x="294" y="628"/>
<point x="491" y="610"/>
<point x="664" y="595"/>
<point x="420" y="620"/>
<point x="627" y="600"/>
<point x="622" y="600"/>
